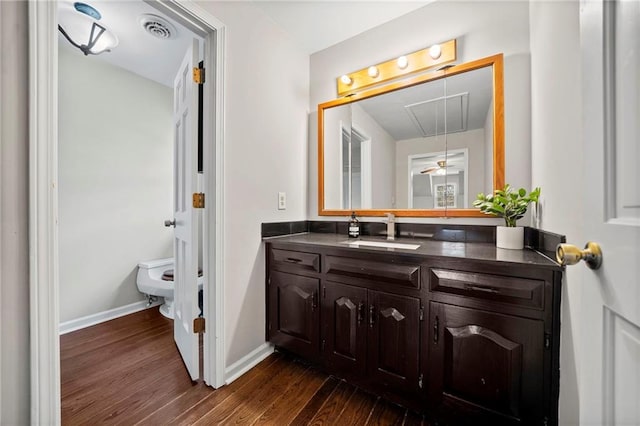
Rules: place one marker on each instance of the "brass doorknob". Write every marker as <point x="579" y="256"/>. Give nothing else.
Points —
<point x="568" y="254"/>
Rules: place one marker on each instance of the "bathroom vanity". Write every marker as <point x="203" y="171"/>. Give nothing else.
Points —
<point x="460" y="330"/>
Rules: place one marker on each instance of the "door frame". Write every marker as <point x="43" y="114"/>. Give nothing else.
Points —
<point x="43" y="199"/>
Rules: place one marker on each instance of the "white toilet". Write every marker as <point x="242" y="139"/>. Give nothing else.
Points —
<point x="151" y="282"/>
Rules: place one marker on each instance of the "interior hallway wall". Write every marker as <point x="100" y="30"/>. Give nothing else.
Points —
<point x="115" y="157"/>
<point x="266" y="107"/>
<point x="556" y="140"/>
<point x="482" y="28"/>
<point x="14" y="214"/>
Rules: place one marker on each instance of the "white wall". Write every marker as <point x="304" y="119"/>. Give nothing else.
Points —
<point x="556" y="140"/>
<point x="115" y="182"/>
<point x="482" y="29"/>
<point x="14" y="215"/>
<point x="266" y="110"/>
<point x="267" y="98"/>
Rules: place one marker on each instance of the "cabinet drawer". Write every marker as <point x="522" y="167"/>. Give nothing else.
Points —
<point x="394" y="273"/>
<point x="295" y="260"/>
<point x="512" y="290"/>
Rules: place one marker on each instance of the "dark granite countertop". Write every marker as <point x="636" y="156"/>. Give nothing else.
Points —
<point x="428" y="248"/>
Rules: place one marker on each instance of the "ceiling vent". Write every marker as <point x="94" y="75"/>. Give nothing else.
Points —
<point x="157" y="26"/>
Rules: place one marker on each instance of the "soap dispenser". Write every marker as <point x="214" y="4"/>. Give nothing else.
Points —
<point x="354" y="226"/>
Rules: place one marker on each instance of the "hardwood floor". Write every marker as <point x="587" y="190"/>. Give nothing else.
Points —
<point x="128" y="371"/>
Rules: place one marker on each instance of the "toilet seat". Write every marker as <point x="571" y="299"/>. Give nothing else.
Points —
<point x="168" y="274"/>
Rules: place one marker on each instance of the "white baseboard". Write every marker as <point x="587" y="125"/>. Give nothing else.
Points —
<point x="89" y="320"/>
<point x="247" y="362"/>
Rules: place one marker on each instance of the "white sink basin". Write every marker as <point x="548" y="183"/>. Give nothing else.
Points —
<point x="386" y="244"/>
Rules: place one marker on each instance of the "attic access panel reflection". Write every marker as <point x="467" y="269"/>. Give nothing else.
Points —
<point x="428" y="116"/>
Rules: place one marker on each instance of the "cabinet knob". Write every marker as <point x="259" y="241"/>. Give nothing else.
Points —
<point x="568" y="254"/>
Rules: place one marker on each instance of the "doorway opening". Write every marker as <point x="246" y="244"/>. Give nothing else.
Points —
<point x="44" y="198"/>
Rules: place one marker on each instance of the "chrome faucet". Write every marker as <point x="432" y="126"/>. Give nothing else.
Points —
<point x="391" y="229"/>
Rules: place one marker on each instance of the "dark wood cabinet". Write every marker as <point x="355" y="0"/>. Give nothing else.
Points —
<point x="372" y="332"/>
<point x="486" y="365"/>
<point x="394" y="335"/>
<point x="344" y="311"/>
<point x="294" y="314"/>
<point x="465" y="341"/>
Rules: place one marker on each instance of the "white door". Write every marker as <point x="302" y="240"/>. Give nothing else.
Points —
<point x="185" y="246"/>
<point x="609" y="368"/>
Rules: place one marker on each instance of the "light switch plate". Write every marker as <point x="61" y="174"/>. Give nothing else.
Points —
<point x="282" y="200"/>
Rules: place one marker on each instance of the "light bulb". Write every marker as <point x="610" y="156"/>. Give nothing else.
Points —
<point x="373" y="71"/>
<point x="403" y="62"/>
<point x="345" y="79"/>
<point x="435" y="51"/>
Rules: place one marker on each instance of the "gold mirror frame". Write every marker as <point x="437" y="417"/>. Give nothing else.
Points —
<point x="496" y="62"/>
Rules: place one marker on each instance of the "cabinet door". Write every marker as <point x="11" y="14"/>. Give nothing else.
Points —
<point x="394" y="333"/>
<point x="486" y="365"/>
<point x="345" y="339"/>
<point x="294" y="315"/>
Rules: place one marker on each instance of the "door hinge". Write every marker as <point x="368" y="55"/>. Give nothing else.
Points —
<point x="198" y="75"/>
<point x="198" y="200"/>
<point x="547" y="340"/>
<point x="420" y="382"/>
<point x="269" y="281"/>
<point x="198" y="325"/>
<point x="421" y="314"/>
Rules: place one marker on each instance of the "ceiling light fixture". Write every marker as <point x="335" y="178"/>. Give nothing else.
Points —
<point x="402" y="62"/>
<point x="435" y="51"/>
<point x="345" y="79"/>
<point x="82" y="24"/>
<point x="401" y="66"/>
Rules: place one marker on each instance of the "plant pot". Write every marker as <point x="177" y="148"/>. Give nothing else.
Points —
<point x="510" y="237"/>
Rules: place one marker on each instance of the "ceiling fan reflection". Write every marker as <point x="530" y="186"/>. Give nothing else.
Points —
<point x="441" y="168"/>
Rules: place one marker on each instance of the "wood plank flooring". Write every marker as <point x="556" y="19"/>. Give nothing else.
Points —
<point x="128" y="372"/>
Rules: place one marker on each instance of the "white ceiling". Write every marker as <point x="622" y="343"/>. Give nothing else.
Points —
<point x="137" y="51"/>
<point x="314" y="25"/>
<point x="391" y="110"/>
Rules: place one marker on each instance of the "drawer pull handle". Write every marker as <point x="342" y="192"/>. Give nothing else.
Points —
<point x="360" y="312"/>
<point x="481" y="288"/>
<point x="293" y="260"/>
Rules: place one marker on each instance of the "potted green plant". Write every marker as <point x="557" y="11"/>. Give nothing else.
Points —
<point x="510" y="205"/>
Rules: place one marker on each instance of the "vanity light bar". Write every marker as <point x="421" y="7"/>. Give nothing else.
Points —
<point x="412" y="63"/>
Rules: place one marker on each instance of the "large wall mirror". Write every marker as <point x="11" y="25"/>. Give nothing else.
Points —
<point x="423" y="146"/>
